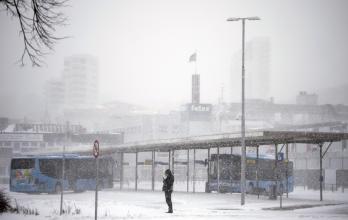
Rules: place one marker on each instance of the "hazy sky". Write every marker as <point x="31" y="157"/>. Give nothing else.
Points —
<point x="143" y="48"/>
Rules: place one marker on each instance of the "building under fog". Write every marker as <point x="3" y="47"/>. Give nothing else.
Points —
<point x="81" y="81"/>
<point x="77" y="87"/>
<point x="257" y="62"/>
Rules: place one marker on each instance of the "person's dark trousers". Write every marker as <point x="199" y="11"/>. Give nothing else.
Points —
<point x="168" y="195"/>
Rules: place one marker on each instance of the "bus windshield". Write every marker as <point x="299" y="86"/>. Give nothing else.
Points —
<point x="22" y="163"/>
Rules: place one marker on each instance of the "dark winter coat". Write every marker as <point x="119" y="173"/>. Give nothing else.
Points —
<point x="168" y="182"/>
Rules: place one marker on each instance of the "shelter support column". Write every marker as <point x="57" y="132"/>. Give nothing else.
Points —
<point x="218" y="169"/>
<point x="173" y="161"/>
<point x="276" y="169"/>
<point x="321" y="170"/>
<point x="321" y="179"/>
<point x="257" y="171"/>
<point x="136" y="171"/>
<point x="121" y="170"/>
<point x="194" y="171"/>
<point x="153" y="171"/>
<point x="287" y="170"/>
<point x="188" y="170"/>
<point x="208" y="170"/>
<point x="231" y="176"/>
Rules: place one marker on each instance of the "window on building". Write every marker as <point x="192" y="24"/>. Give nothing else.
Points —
<point x="7" y="144"/>
<point x="25" y="144"/>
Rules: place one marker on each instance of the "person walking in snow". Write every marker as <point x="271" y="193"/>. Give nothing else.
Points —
<point x="168" y="181"/>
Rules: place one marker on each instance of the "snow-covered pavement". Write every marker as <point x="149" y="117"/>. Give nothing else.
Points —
<point x="114" y="204"/>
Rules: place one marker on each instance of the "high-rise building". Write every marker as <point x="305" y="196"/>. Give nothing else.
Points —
<point x="257" y="64"/>
<point x="77" y="87"/>
<point x="81" y="81"/>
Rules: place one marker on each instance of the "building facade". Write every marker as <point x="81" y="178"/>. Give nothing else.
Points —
<point x="76" y="88"/>
<point x="258" y="69"/>
<point x="81" y="81"/>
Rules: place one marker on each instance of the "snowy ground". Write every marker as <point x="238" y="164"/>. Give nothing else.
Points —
<point x="115" y="204"/>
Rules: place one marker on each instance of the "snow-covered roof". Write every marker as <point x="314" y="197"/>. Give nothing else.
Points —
<point x="252" y="139"/>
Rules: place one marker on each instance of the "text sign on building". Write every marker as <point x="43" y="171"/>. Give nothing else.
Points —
<point x="21" y="137"/>
<point x="199" y="112"/>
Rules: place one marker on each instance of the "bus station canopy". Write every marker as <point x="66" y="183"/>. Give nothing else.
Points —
<point x="252" y="139"/>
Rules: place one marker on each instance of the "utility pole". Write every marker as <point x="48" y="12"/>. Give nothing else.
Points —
<point x="243" y="158"/>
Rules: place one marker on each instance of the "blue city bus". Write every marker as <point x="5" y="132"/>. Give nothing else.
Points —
<point x="43" y="174"/>
<point x="263" y="175"/>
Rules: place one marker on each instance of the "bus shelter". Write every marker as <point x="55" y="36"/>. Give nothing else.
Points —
<point x="279" y="139"/>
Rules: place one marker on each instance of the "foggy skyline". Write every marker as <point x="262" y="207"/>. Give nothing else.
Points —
<point x="143" y="49"/>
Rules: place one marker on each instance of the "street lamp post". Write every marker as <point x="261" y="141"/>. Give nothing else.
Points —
<point x="243" y="158"/>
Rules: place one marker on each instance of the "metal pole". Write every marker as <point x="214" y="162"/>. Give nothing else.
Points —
<point x="218" y="169"/>
<point x="169" y="159"/>
<point x="344" y="145"/>
<point x="188" y="170"/>
<point x="96" y="191"/>
<point x="173" y="162"/>
<point x="121" y="171"/>
<point x="281" y="199"/>
<point x="63" y="168"/>
<point x="231" y="168"/>
<point x="62" y="181"/>
<point x="243" y="158"/>
<point x="257" y="172"/>
<point x="287" y="170"/>
<point x="321" y="171"/>
<point x="194" y="171"/>
<point x="153" y="171"/>
<point x="208" y="168"/>
<point x="276" y="168"/>
<point x="136" y="171"/>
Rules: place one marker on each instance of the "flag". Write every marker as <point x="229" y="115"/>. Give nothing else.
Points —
<point x="193" y="57"/>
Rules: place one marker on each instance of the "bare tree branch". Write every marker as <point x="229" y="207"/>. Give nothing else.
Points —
<point x="38" y="20"/>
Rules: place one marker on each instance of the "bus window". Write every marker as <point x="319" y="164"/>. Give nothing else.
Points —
<point x="105" y="167"/>
<point x="225" y="169"/>
<point x="235" y="172"/>
<point x="86" y="169"/>
<point x="22" y="164"/>
<point x="213" y="169"/>
<point x="51" y="167"/>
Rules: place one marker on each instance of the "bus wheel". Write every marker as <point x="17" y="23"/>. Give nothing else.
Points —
<point x="58" y="188"/>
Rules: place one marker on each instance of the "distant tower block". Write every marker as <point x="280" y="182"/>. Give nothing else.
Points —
<point x="195" y="89"/>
